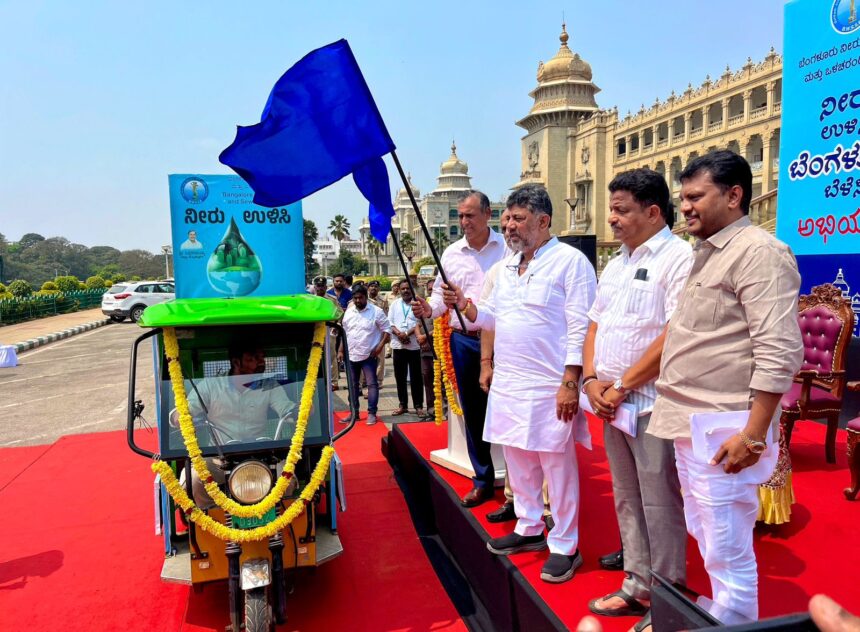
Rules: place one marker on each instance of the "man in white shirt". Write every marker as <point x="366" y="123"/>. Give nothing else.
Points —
<point x="242" y="406"/>
<point x="538" y="308"/>
<point x="367" y="330"/>
<point x="637" y="293"/>
<point x="191" y="243"/>
<point x="406" y="351"/>
<point x="465" y="262"/>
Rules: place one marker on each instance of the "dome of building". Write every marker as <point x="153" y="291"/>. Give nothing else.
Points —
<point x="402" y="193"/>
<point x="453" y="166"/>
<point x="566" y="65"/>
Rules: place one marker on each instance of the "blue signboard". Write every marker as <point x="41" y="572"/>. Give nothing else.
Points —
<point x="819" y="179"/>
<point x="226" y="246"/>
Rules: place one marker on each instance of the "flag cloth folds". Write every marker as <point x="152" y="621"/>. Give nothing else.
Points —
<point x="319" y="125"/>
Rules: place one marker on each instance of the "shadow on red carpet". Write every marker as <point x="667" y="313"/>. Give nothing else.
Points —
<point x="79" y="551"/>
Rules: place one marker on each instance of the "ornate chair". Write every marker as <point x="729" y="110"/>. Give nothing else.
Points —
<point x="826" y="322"/>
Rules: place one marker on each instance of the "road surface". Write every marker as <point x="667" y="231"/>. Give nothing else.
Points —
<point x="73" y="386"/>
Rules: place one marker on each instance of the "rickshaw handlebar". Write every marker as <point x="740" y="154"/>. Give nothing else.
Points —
<point x="350" y="385"/>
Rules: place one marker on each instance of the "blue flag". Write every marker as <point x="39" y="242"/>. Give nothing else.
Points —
<point x="319" y="124"/>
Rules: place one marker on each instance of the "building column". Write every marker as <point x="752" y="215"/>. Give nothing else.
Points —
<point x="628" y="142"/>
<point x="688" y="125"/>
<point x="771" y="89"/>
<point x="767" y="163"/>
<point x="725" y="103"/>
<point x="747" y="105"/>
<point x="641" y="135"/>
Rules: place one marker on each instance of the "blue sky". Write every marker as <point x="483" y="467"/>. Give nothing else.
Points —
<point x="99" y="101"/>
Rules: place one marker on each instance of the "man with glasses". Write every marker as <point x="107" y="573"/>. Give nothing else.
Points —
<point x="539" y="310"/>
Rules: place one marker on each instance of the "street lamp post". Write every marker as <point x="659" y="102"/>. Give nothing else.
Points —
<point x="408" y="250"/>
<point x="167" y="251"/>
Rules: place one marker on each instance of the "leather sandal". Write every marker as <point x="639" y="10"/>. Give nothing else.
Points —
<point x="398" y="411"/>
<point x="633" y="607"/>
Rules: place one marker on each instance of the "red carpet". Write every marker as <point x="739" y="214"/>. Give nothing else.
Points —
<point x="815" y="552"/>
<point x="79" y="551"/>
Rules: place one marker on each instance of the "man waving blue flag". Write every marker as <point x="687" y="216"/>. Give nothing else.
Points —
<point x="319" y="124"/>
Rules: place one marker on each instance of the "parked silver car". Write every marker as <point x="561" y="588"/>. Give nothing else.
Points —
<point x="128" y="300"/>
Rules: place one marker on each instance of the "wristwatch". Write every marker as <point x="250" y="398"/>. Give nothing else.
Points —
<point x="618" y="386"/>
<point x="756" y="447"/>
<point x="571" y="384"/>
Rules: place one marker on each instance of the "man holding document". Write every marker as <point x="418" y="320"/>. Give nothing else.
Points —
<point x="636" y="296"/>
<point x="731" y="350"/>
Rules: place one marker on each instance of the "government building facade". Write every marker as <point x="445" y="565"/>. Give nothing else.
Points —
<point x="574" y="148"/>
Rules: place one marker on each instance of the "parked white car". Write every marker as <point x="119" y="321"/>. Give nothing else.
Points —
<point x="128" y="300"/>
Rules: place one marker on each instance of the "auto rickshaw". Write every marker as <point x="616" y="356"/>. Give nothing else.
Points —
<point x="244" y="494"/>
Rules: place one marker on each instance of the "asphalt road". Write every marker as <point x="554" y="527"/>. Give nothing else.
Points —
<point x="73" y="386"/>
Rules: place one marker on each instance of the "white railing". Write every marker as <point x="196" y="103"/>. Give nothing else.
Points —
<point x="737" y="118"/>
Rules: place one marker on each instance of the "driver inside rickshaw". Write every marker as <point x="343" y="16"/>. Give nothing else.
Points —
<point x="243" y="406"/>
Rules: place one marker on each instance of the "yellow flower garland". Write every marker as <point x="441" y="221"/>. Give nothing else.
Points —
<point x="189" y="435"/>
<point x="441" y="378"/>
<point x="209" y="524"/>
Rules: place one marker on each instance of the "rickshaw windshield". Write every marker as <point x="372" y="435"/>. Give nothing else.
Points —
<point x="243" y="395"/>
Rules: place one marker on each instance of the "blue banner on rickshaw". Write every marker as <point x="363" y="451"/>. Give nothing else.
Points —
<point x="224" y="245"/>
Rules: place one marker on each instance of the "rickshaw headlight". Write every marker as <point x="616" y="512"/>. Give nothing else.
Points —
<point x="250" y="482"/>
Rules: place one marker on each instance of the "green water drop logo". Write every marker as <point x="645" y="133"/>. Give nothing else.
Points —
<point x="233" y="268"/>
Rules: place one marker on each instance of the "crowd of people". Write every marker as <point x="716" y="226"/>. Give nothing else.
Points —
<point x="674" y="337"/>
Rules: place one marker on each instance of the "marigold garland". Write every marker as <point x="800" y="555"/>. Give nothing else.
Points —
<point x="444" y="368"/>
<point x="189" y="435"/>
<point x="209" y="524"/>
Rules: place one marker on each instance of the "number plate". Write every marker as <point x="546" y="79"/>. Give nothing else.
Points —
<point x="252" y="523"/>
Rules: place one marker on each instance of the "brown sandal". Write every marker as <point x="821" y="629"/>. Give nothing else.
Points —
<point x="398" y="411"/>
<point x="633" y="607"/>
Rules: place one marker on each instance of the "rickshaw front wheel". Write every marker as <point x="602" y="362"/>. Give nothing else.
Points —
<point x="258" y="614"/>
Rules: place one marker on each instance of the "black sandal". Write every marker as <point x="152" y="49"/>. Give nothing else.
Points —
<point x="633" y="608"/>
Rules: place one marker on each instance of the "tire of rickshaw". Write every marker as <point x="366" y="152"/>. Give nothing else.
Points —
<point x="258" y="614"/>
<point x="136" y="312"/>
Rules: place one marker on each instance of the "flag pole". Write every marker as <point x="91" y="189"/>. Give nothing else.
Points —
<point x="426" y="235"/>
<point x="427" y="331"/>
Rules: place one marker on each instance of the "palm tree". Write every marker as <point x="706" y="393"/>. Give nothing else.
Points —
<point x="373" y="249"/>
<point x="440" y="240"/>
<point x="339" y="227"/>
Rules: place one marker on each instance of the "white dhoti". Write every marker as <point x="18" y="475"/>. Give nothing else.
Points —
<point x="527" y="470"/>
<point x="720" y="510"/>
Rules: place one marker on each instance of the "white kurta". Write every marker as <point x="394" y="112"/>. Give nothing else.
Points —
<point x="540" y="318"/>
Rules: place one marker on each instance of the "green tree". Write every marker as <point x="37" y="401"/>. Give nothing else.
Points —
<point x="49" y="286"/>
<point x="339" y="227"/>
<point x="423" y="261"/>
<point x="407" y="245"/>
<point x="440" y="240"/>
<point x="374" y="248"/>
<point x="29" y="239"/>
<point x="348" y="263"/>
<point x="311" y="234"/>
<point x="20" y="288"/>
<point x="67" y="283"/>
<point x="95" y="283"/>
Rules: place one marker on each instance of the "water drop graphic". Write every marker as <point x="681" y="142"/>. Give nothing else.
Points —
<point x="233" y="268"/>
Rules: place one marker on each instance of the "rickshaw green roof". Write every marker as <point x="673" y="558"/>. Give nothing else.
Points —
<point x="244" y="310"/>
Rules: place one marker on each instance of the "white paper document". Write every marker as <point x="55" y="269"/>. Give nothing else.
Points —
<point x="710" y="430"/>
<point x="626" y="415"/>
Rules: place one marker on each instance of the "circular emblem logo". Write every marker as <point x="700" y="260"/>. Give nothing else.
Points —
<point x="194" y="190"/>
<point x="843" y="16"/>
